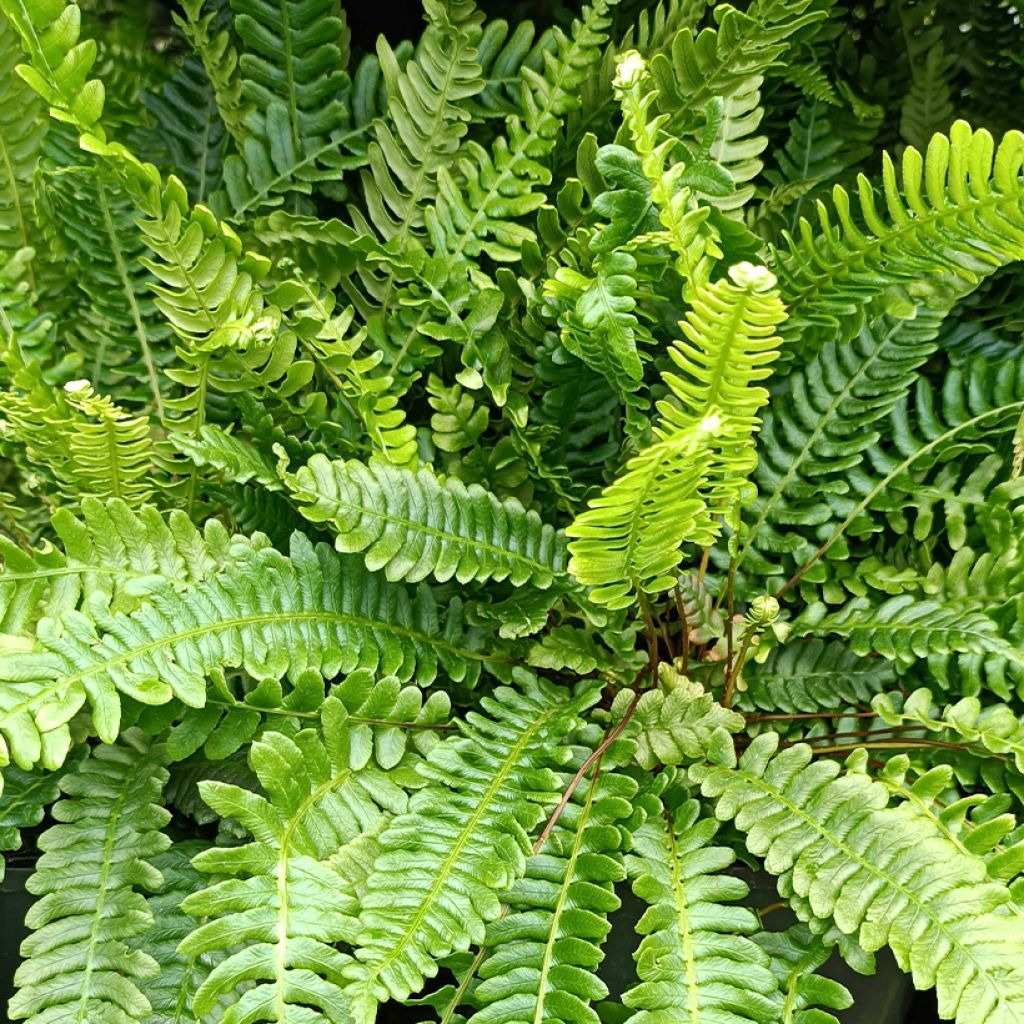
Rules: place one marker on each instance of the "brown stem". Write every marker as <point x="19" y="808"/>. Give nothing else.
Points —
<point x="812" y="714"/>
<point x="684" y="625"/>
<point x="593" y="757"/>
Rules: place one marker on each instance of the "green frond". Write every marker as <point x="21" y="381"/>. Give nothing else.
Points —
<point x="426" y="118"/>
<point x="629" y="538"/>
<point x="995" y="728"/>
<point x="955" y="216"/>
<point x="115" y="555"/>
<point x="482" y="199"/>
<point x="172" y="991"/>
<point x="463" y="841"/>
<point x="122" y="336"/>
<point x="720" y="61"/>
<point x="598" y="318"/>
<point x="796" y="954"/>
<point x="231" y="455"/>
<point x="546" y="949"/>
<point x="830" y="412"/>
<point x="212" y="44"/>
<point x="297" y="132"/>
<point x="78" y="963"/>
<point x="321" y="613"/>
<point x="413" y="525"/>
<point x="885" y="874"/>
<point x="695" y="961"/>
<point x="678" y="722"/>
<point x="908" y="628"/>
<point x="278" y="905"/>
<point x="22" y="130"/>
<point x="185" y="111"/>
<point x="804" y="676"/>
<point x="24" y="799"/>
<point x="90" y="446"/>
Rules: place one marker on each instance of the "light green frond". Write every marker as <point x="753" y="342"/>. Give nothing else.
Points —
<point x="629" y="538"/>
<point x="413" y="525"/>
<point x="464" y="840"/>
<point x="77" y="961"/>
<point x="695" y="961"/>
<point x="796" y="954"/>
<point x="277" y="905"/>
<point x="272" y="615"/>
<point x="953" y="217"/>
<point x="885" y="874"/>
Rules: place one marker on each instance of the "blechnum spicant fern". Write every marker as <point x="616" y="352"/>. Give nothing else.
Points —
<point x="454" y="485"/>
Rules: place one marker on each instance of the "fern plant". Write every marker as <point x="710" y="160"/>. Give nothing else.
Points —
<point x="452" y="487"/>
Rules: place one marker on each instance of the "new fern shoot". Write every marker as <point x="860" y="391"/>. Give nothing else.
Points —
<point x="452" y="484"/>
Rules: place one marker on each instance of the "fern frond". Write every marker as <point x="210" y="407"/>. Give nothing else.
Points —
<point x="547" y="948"/>
<point x="629" y="538"/>
<point x="796" y="954"/>
<point x="172" y="991"/>
<point x="885" y="874"/>
<point x="413" y="525"/>
<point x="955" y="216"/>
<point x="695" y="961"/>
<point x="22" y="130"/>
<point x="24" y="798"/>
<point x="426" y="118"/>
<point x="321" y="613"/>
<point x="77" y="960"/>
<point x="297" y="133"/>
<point x="678" y="722"/>
<point x="282" y="904"/>
<point x="804" y="676"/>
<point x="464" y="840"/>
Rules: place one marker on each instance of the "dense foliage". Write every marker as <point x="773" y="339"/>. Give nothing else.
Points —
<point x="444" y="482"/>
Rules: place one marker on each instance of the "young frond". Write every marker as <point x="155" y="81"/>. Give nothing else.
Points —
<point x="629" y="538"/>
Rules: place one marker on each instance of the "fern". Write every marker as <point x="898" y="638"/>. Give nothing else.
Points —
<point x="412" y="526"/>
<point x="77" y="961"/>
<point x="313" y="348"/>
<point x="281" y="898"/>
<point x="695" y="941"/>
<point x="466" y="842"/>
<point x="629" y="540"/>
<point x="891" y="867"/>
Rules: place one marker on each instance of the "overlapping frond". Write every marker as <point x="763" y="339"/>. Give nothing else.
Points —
<point x="270" y="614"/>
<point x="278" y="904"/>
<point x="78" y="961"/>
<point x="884" y="874"/>
<point x="629" y="538"/>
<point x="463" y="841"/>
